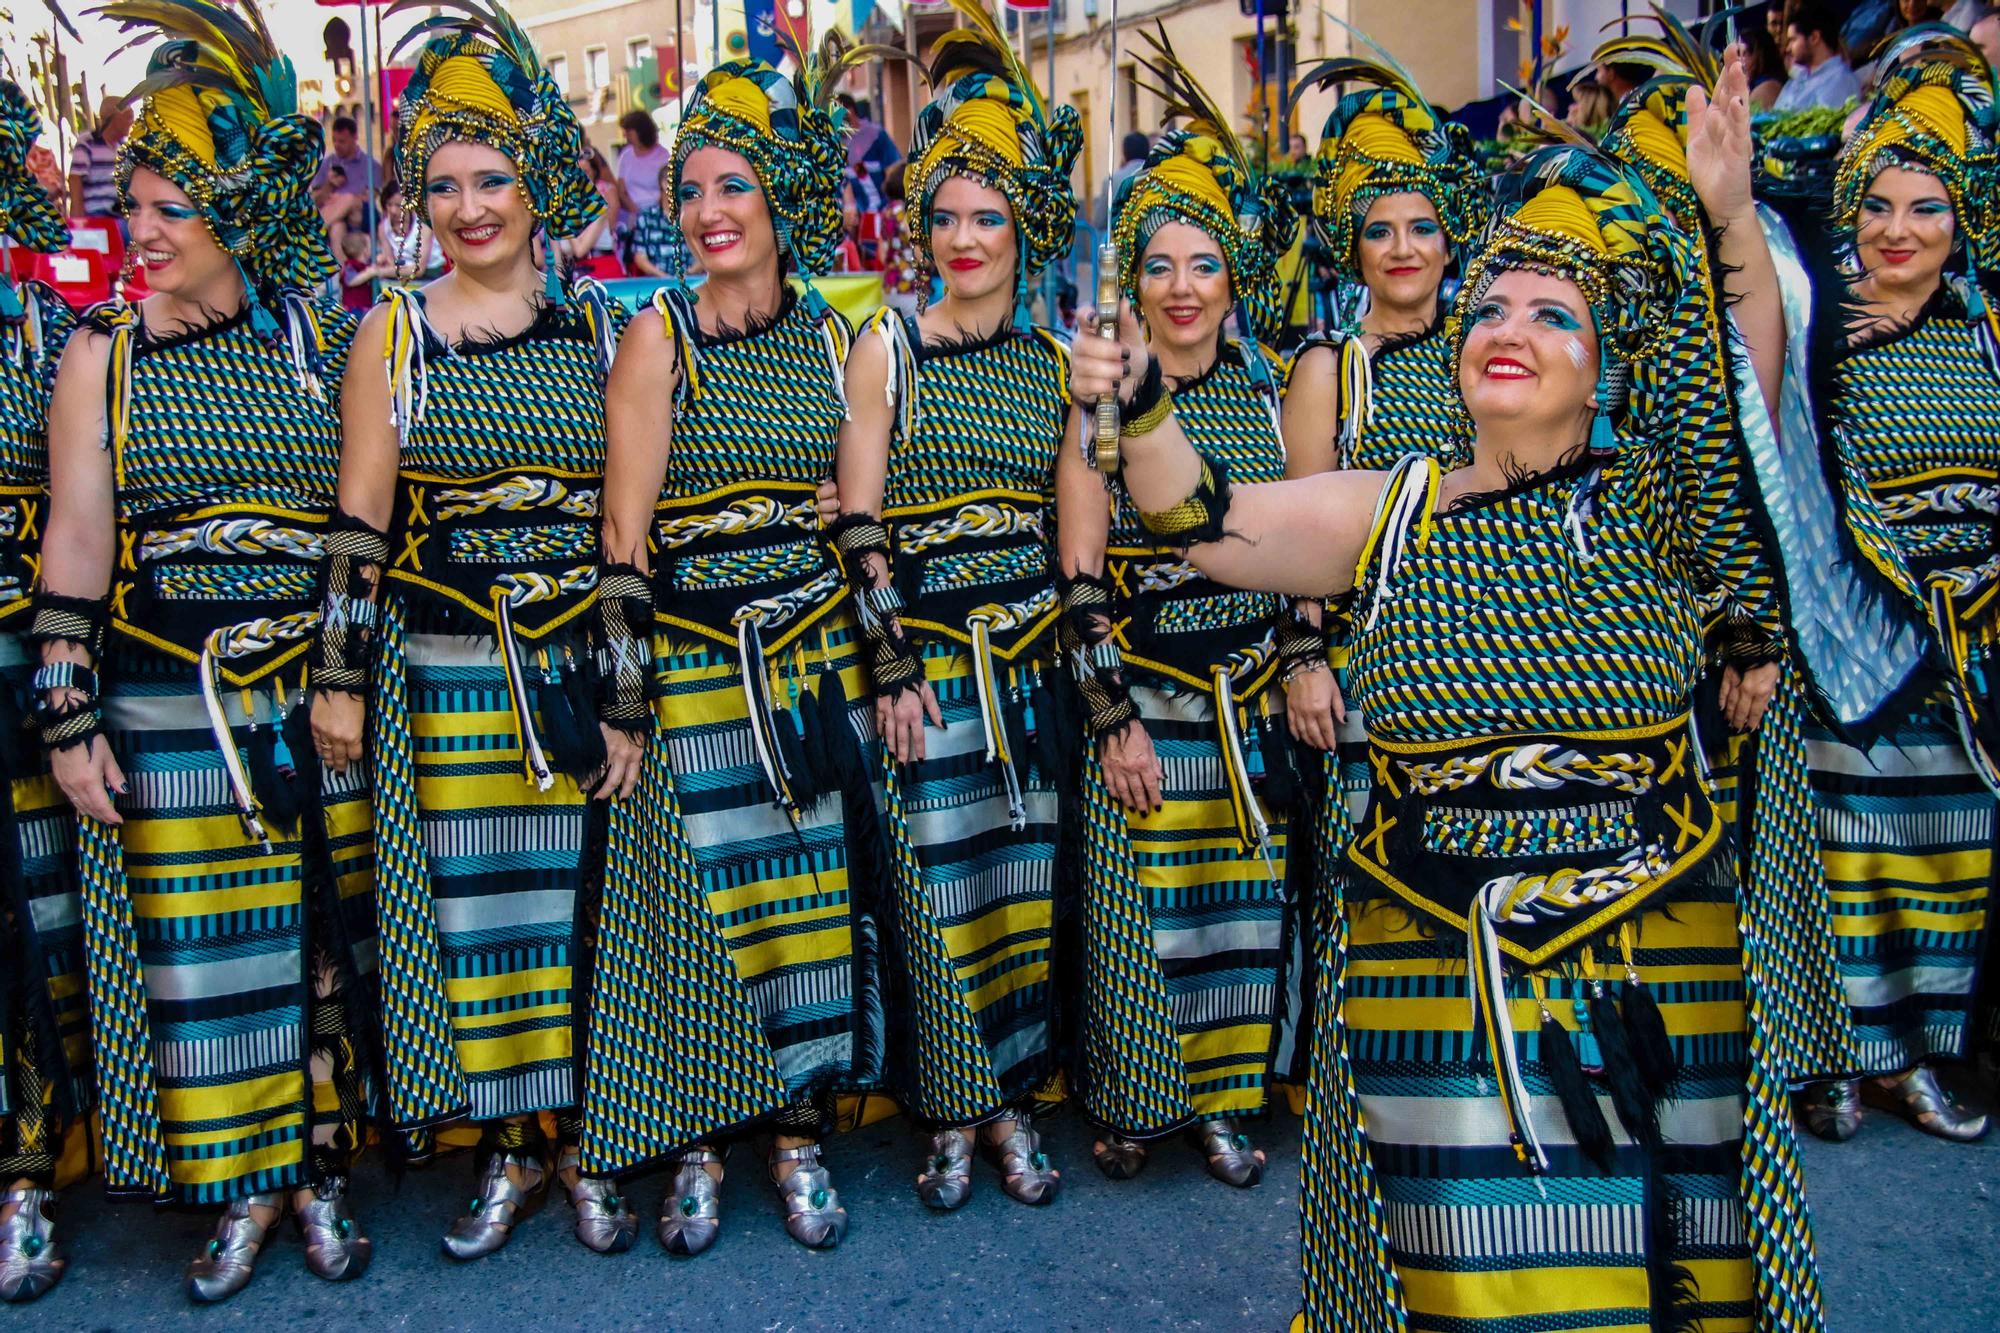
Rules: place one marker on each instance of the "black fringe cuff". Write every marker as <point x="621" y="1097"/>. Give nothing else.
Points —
<point x="343" y="650"/>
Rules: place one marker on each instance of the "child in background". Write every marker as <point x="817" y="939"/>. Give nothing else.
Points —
<point x="357" y="275"/>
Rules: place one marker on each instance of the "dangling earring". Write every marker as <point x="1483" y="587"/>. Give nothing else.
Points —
<point x="1024" y="319"/>
<point x="1609" y="397"/>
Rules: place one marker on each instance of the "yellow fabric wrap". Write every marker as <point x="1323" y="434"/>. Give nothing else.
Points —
<point x="1653" y="138"/>
<point x="182" y="115"/>
<point x="743" y="100"/>
<point x="1190" y="174"/>
<point x="1560" y="211"/>
<point x="458" y="84"/>
<point x="984" y="122"/>
<point x="1370" y="140"/>
<point x="1929" y="109"/>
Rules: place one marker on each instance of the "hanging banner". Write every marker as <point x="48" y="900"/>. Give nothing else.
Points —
<point x="776" y="28"/>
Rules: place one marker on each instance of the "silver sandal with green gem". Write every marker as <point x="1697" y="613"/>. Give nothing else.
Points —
<point x="498" y="1208"/>
<point x="335" y="1248"/>
<point x="30" y="1261"/>
<point x="605" y="1221"/>
<point x="1232" y="1158"/>
<point x="691" y="1214"/>
<point x="229" y="1261"/>
<point x="1025" y="1173"/>
<point x="946" y="1181"/>
<point x="813" y="1215"/>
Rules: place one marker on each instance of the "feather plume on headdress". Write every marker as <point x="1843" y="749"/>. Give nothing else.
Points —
<point x="987" y="121"/>
<point x="218" y="116"/>
<point x="1201" y="174"/>
<point x="1383" y="139"/>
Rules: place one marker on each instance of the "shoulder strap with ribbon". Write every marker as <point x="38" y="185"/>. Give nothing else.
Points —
<point x="1402" y="518"/>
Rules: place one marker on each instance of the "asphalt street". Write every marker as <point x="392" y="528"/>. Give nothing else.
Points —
<point x="1909" y="1232"/>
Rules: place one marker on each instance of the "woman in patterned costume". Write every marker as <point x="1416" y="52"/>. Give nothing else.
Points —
<point x="1528" y="1099"/>
<point x="473" y="431"/>
<point x="225" y="878"/>
<point x="1184" y="927"/>
<point x="945" y="540"/>
<point x="739" y="993"/>
<point x="1910" y="386"/>
<point x="1396" y="197"/>
<point x="45" y="1084"/>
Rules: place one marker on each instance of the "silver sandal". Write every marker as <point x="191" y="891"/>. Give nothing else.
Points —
<point x="1232" y="1158"/>
<point x="226" y="1266"/>
<point x="30" y="1261"/>
<point x="1832" y="1111"/>
<point x="605" y="1221"/>
<point x="1118" y="1157"/>
<point x="1025" y="1173"/>
<point x="813" y="1215"/>
<point x="335" y="1249"/>
<point x="1932" y="1108"/>
<point x="499" y="1207"/>
<point x="946" y="1181"/>
<point x="691" y="1214"/>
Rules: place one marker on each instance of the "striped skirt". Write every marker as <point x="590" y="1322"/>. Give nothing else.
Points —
<point x="975" y="906"/>
<point x="1184" y="932"/>
<point x="200" y="944"/>
<point x="1475" y="1244"/>
<point x="736" y="958"/>
<point x="1906" y="834"/>
<point x="504" y="865"/>
<point x="45" y="1074"/>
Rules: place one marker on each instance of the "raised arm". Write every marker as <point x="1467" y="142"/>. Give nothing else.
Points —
<point x="1719" y="162"/>
<point x="1299" y="537"/>
<point x="78" y="549"/>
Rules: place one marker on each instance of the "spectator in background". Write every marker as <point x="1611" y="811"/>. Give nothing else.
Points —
<point x="1592" y="107"/>
<point x="1132" y="159"/>
<point x="344" y="184"/>
<point x="1985" y="32"/>
<point x="600" y="239"/>
<point x="1820" y="75"/>
<point x="640" y="162"/>
<point x="357" y="274"/>
<point x="850" y="245"/>
<point x="42" y="165"/>
<point x="869" y="145"/>
<point x="1764" y="66"/>
<point x="413" y="256"/>
<point x="93" y="184"/>
<point x="1905" y="14"/>
<point x="1619" y="79"/>
<point x="654" y="234"/>
<point x="1298" y="150"/>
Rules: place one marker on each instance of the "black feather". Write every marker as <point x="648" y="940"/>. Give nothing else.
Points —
<point x="812" y="743"/>
<point x="273" y="784"/>
<point x="1579" y="1100"/>
<point x="1015" y="714"/>
<point x="1651" y="1047"/>
<point x="785" y="730"/>
<point x="568" y="722"/>
<point x="1281" y="780"/>
<point x="1636" y="1109"/>
<point x="1047" y="734"/>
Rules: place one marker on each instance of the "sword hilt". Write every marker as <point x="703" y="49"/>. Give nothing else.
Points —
<point x="1105" y="453"/>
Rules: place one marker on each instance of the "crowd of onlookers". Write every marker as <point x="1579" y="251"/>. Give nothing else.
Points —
<point x="1805" y="54"/>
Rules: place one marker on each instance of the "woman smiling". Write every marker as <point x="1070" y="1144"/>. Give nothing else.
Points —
<point x="746" y="992"/>
<point x="945" y="476"/>
<point x="194" y="448"/>
<point x="1185" y="926"/>
<point x="463" y="555"/>
<point x="1528" y="923"/>
<point x="1912" y="392"/>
